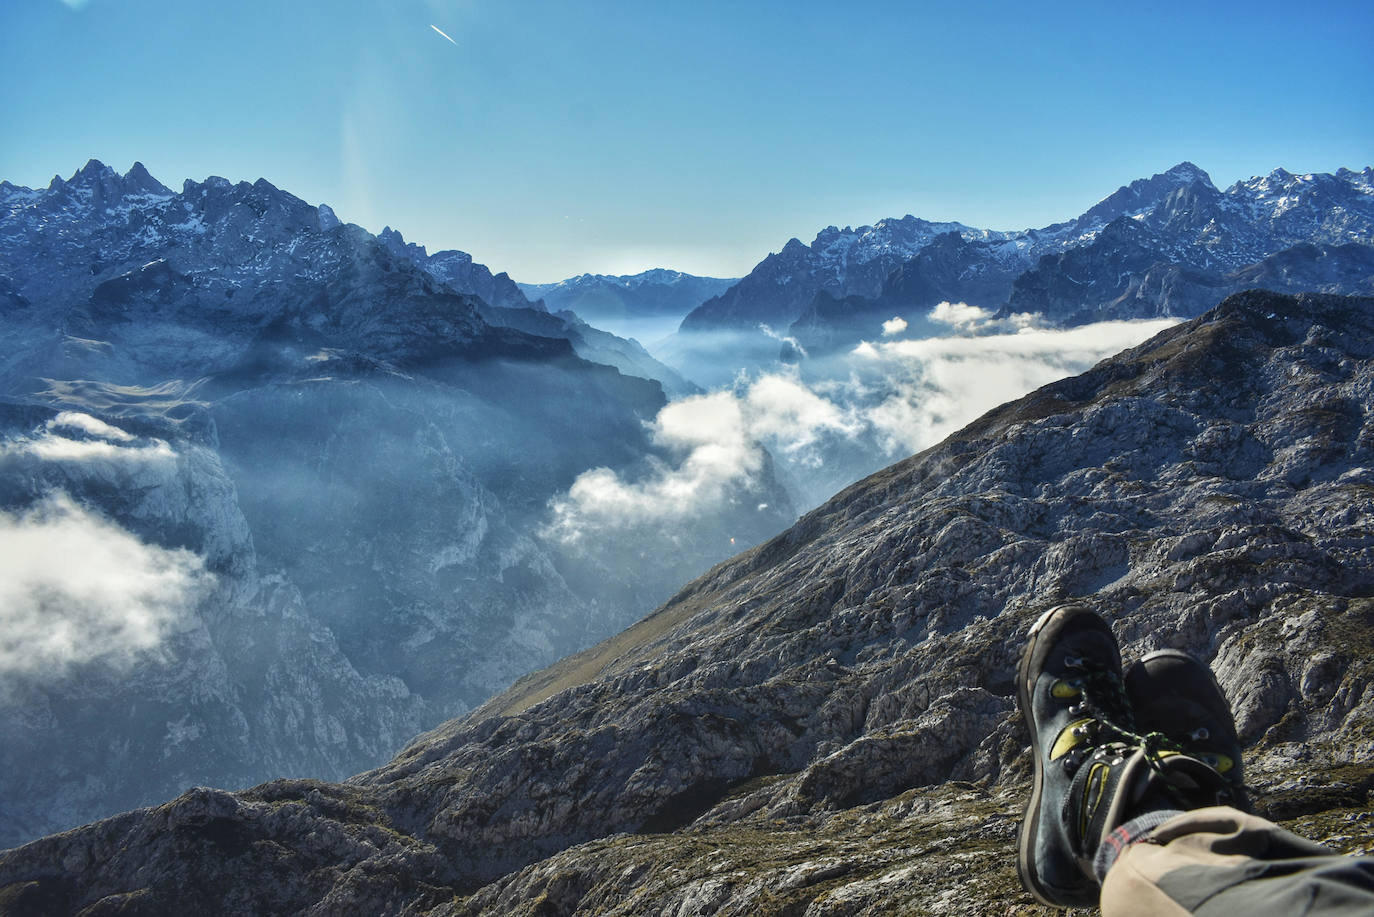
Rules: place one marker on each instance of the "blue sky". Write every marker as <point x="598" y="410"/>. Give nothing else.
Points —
<point x="552" y="138"/>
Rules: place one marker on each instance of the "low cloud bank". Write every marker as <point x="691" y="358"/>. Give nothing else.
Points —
<point x="965" y="319"/>
<point x="883" y="401"/>
<point x="937" y="385"/>
<point x="707" y="434"/>
<point x="76" y="589"/>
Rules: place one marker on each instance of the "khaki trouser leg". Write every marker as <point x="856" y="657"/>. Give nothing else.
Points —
<point x="1220" y="861"/>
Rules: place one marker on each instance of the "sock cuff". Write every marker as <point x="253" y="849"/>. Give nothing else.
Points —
<point x="1124" y="835"/>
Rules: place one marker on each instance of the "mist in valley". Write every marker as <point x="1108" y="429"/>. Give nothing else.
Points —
<point x="818" y="424"/>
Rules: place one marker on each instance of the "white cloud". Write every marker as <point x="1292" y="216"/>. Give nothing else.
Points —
<point x="886" y="399"/>
<point x="789" y="416"/>
<point x="959" y="314"/>
<point x="894" y="326"/>
<point x="718" y="438"/>
<point x="966" y="319"/>
<point x="707" y="431"/>
<point x="95" y="442"/>
<point x="938" y="385"/>
<point x="62" y="449"/>
<point x="89" y="425"/>
<point x="78" y="589"/>
<point x="784" y="339"/>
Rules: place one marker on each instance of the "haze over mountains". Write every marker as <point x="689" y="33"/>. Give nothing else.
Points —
<point x="647" y="305"/>
<point x="875" y="342"/>
<point x="357" y="488"/>
<point x="326" y="463"/>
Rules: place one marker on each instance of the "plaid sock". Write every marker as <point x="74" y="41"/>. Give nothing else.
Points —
<point x="1123" y="836"/>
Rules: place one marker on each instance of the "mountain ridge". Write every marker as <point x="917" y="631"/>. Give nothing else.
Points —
<point x="114" y="224"/>
<point x="658" y="292"/>
<point x="833" y="293"/>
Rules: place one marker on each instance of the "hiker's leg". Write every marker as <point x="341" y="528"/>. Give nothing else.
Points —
<point x="1094" y="768"/>
<point x="1220" y="861"/>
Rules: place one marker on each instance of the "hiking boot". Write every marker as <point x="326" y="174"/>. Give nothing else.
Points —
<point x="1172" y="693"/>
<point x="1094" y="767"/>
<point x="1070" y="687"/>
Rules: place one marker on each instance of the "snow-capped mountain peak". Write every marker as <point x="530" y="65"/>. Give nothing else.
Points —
<point x="1143" y="194"/>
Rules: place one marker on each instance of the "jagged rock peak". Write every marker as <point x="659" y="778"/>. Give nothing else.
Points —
<point x="93" y="169"/>
<point x="138" y="176"/>
<point x="1144" y="193"/>
<point x="97" y="189"/>
<point x="1186" y="171"/>
<point x="106" y="185"/>
<point x="1364" y="177"/>
<point x="190" y="186"/>
<point x="394" y="242"/>
<point x="328" y="219"/>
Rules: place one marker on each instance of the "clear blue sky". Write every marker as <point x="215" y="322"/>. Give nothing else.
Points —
<point x="552" y="138"/>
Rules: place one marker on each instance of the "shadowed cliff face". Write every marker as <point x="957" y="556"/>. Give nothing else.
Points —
<point x="825" y="724"/>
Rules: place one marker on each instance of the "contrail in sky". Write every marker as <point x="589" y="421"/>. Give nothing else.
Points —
<point x="443" y="33"/>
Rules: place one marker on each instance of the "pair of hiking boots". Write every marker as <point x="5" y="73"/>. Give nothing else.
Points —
<point x="1111" y="746"/>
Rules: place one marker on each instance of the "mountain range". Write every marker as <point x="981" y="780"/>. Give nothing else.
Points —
<point x="1172" y="244"/>
<point x="825" y="723"/>
<point x="600" y="297"/>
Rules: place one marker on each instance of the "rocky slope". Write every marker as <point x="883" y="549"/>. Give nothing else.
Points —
<point x="350" y="454"/>
<point x="459" y="271"/>
<point x="245" y="682"/>
<point x="503" y="304"/>
<point x="825" y="724"/>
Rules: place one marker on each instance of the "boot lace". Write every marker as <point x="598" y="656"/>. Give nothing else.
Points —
<point x="1102" y="696"/>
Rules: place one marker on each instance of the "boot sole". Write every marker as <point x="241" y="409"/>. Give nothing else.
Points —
<point x="1030" y="816"/>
